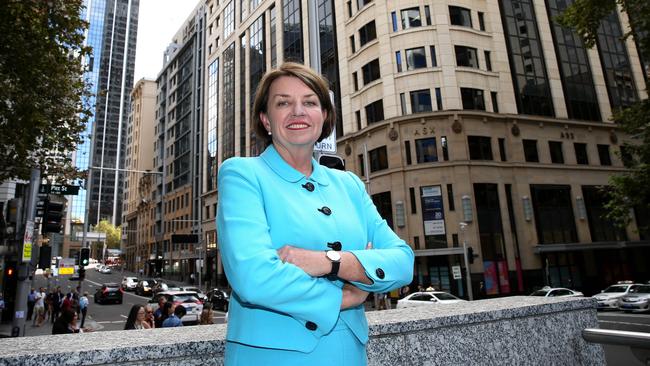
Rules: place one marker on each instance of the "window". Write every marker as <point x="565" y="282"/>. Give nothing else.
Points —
<point x="438" y="99"/>
<point x="228" y="19"/>
<point x="407" y="151"/>
<point x="393" y="16"/>
<point x="450" y="197"/>
<point x="445" y="148"/>
<point x="553" y="211"/>
<point x="481" y="21"/>
<point x="434" y="61"/>
<point x="495" y="102"/>
<point x="355" y="81"/>
<point x="555" y="149"/>
<point x="384" y="206"/>
<point x="530" y="151"/>
<point x="415" y="58"/>
<point x="480" y="147"/>
<point x="488" y="60"/>
<point x="353" y="47"/>
<point x="292" y="17"/>
<point x="375" y="111"/>
<point x="472" y="98"/>
<point x="603" y="155"/>
<point x="370" y="71"/>
<point x="488" y="217"/>
<point x="581" y="153"/>
<point x="425" y="150"/>
<point x="427" y="14"/>
<point x="398" y="60"/>
<point x="460" y="16"/>
<point x="402" y="100"/>
<point x="357" y="117"/>
<point x="466" y="56"/>
<point x="411" y="18"/>
<point x="412" y="197"/>
<point x="600" y="227"/>
<point x="502" y="149"/>
<point x="362" y="166"/>
<point x="378" y="159"/>
<point x="367" y="33"/>
<point x="362" y="3"/>
<point x="421" y="101"/>
<point x="349" y="9"/>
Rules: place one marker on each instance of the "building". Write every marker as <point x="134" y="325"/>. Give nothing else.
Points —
<point x="112" y="34"/>
<point x="476" y="123"/>
<point x="138" y="204"/>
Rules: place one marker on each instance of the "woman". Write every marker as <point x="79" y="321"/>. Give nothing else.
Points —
<point x="207" y="315"/>
<point x="136" y="319"/>
<point x="302" y="245"/>
<point x="66" y="323"/>
<point x="149" y="318"/>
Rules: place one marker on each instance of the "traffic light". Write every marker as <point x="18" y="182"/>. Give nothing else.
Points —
<point x="45" y="257"/>
<point x="52" y="217"/>
<point x="332" y="161"/>
<point x="470" y="254"/>
<point x="82" y="273"/>
<point x="84" y="258"/>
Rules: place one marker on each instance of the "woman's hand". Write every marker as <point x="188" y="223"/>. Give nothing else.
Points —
<point x="313" y="262"/>
<point x="352" y="296"/>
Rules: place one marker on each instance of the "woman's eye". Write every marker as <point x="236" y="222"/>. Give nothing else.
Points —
<point x="311" y="103"/>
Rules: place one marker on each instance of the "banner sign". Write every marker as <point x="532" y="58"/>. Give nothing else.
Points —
<point x="432" y="211"/>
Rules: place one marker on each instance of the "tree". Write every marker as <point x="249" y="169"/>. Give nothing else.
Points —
<point x="629" y="190"/>
<point x="43" y="112"/>
<point x="113" y="234"/>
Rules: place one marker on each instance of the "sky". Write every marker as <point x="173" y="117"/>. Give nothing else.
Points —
<point x="158" y="21"/>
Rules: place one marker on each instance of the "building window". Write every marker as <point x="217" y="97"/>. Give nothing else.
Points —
<point x="434" y="60"/>
<point x="393" y="16"/>
<point x="414" y="209"/>
<point x="581" y="153"/>
<point x="415" y="58"/>
<point x="257" y="68"/>
<point x="450" y="197"/>
<point x="398" y="60"/>
<point x="402" y="100"/>
<point x="472" y="98"/>
<point x="530" y="151"/>
<point x="438" y="99"/>
<point x="362" y="165"/>
<point x="425" y="150"/>
<point x="375" y="111"/>
<point x="460" y="16"/>
<point x="555" y="149"/>
<point x="603" y="155"/>
<point x="292" y="16"/>
<point x="466" y="56"/>
<point x="495" y="102"/>
<point x="421" y="101"/>
<point x="213" y="122"/>
<point x="411" y="18"/>
<point x="378" y="159"/>
<point x="353" y="47"/>
<point x="553" y="210"/>
<point x="480" y="147"/>
<point x="367" y="33"/>
<point x="488" y="60"/>
<point x="362" y="3"/>
<point x="502" y="149"/>
<point x="355" y="81"/>
<point x="488" y="216"/>
<point x="481" y="21"/>
<point x="357" y="117"/>
<point x="407" y="151"/>
<point x="370" y="71"/>
<point x="228" y="129"/>
<point x="242" y="92"/>
<point x="384" y="206"/>
<point x="600" y="227"/>
<point x="427" y="14"/>
<point x="228" y="19"/>
<point x="445" y="148"/>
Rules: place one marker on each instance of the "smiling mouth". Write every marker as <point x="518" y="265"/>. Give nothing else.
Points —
<point x="297" y="126"/>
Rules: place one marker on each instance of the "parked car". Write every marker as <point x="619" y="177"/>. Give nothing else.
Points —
<point x="109" y="292"/>
<point x="162" y="286"/>
<point x="145" y="286"/>
<point x="219" y="299"/>
<point x="187" y="299"/>
<point x="427" y="298"/>
<point x="608" y="298"/>
<point x="637" y="301"/>
<point x="203" y="297"/>
<point x="129" y="283"/>
<point x="547" y="291"/>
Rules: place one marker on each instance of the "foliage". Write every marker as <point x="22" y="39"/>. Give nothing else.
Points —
<point x="628" y="190"/>
<point x="42" y="113"/>
<point x="113" y="234"/>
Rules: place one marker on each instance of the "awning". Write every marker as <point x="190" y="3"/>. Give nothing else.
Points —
<point x="438" y="252"/>
<point x="572" y="247"/>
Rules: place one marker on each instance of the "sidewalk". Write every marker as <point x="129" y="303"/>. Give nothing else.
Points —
<point x="45" y="329"/>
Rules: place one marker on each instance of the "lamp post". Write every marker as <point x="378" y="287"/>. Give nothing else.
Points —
<point x="463" y="226"/>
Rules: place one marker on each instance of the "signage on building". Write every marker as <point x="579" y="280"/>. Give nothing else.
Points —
<point x="27" y="241"/>
<point x="64" y="190"/>
<point x="456" y="273"/>
<point x="66" y="266"/>
<point x="432" y="211"/>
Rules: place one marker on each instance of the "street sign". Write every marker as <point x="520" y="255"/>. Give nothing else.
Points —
<point x="27" y="241"/>
<point x="455" y="270"/>
<point x="64" y="190"/>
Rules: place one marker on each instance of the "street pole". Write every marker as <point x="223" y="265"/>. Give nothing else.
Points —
<point x="468" y="275"/>
<point x="25" y="253"/>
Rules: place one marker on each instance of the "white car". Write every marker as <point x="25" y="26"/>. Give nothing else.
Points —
<point x="427" y="298"/>
<point x="193" y="306"/>
<point x="638" y="300"/>
<point x="556" y="292"/>
<point x="129" y="283"/>
<point x="203" y="297"/>
<point x="608" y="298"/>
<point x="105" y="270"/>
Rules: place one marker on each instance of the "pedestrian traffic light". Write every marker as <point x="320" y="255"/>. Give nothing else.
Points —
<point x="470" y="254"/>
<point x="84" y="257"/>
<point x="332" y="161"/>
<point x="52" y="217"/>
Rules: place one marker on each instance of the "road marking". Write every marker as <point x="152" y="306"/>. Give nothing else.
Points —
<point x="111" y="322"/>
<point x="124" y="316"/>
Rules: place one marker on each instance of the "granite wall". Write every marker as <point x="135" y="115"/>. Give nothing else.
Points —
<point x="513" y="331"/>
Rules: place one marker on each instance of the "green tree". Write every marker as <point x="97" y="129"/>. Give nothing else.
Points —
<point x="42" y="91"/>
<point x="113" y="234"/>
<point x="629" y="190"/>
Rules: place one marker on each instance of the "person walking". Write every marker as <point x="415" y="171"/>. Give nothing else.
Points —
<point x="137" y="318"/>
<point x="57" y="301"/>
<point x="83" y="307"/>
<point x="39" y="307"/>
<point x="31" y="301"/>
<point x="207" y="315"/>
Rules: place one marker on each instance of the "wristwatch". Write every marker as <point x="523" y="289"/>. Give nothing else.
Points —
<point x="335" y="258"/>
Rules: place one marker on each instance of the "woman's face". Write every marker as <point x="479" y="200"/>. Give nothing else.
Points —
<point x="141" y="314"/>
<point x="294" y="114"/>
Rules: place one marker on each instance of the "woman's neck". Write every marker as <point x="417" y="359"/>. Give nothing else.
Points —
<point x="299" y="159"/>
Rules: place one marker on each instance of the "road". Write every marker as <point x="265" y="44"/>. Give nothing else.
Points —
<point x="620" y="355"/>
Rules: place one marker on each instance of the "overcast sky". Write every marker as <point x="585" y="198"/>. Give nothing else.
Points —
<point x="158" y="21"/>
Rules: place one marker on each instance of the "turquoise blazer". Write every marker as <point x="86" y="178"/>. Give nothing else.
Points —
<point x="265" y="204"/>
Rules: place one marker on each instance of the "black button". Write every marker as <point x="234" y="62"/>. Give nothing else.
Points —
<point x="308" y="186"/>
<point x="337" y="246"/>
<point x="380" y="273"/>
<point x="311" y="326"/>
<point x="325" y="210"/>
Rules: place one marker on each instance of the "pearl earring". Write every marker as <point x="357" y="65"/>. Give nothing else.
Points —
<point x="269" y="133"/>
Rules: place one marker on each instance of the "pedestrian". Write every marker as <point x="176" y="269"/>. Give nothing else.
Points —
<point x="31" y="301"/>
<point x="176" y="313"/>
<point x="207" y="315"/>
<point x="2" y="305"/>
<point x="160" y="314"/>
<point x="83" y="307"/>
<point x="137" y="318"/>
<point x="67" y="323"/>
<point x="57" y="301"/>
<point x="294" y="236"/>
<point x="430" y="288"/>
<point x="67" y="302"/>
<point x="192" y="278"/>
<point x="149" y="317"/>
<point x="420" y="288"/>
<point x="39" y="307"/>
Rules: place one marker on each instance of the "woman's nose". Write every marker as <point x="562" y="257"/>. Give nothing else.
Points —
<point x="298" y="109"/>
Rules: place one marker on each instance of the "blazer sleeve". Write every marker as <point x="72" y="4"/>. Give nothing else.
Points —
<point x="389" y="265"/>
<point x="252" y="265"/>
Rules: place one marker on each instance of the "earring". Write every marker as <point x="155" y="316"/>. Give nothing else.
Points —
<point x="269" y="132"/>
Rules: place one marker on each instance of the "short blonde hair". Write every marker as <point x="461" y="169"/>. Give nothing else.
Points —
<point x="317" y="83"/>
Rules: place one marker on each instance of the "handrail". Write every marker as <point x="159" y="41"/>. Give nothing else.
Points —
<point x="617" y="337"/>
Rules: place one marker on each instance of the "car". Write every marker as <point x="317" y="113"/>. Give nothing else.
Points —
<point x="109" y="292"/>
<point x="145" y="286"/>
<point x="608" y="298"/>
<point x="203" y="297"/>
<point x="105" y="270"/>
<point x="193" y="306"/>
<point x="129" y="283"/>
<point x="637" y="301"/>
<point x="219" y="299"/>
<point x="99" y="267"/>
<point x="548" y="291"/>
<point x="162" y="286"/>
<point x="426" y="298"/>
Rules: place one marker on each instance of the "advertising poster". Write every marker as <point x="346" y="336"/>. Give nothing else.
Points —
<point x="504" y="281"/>
<point x="490" y="276"/>
<point x="432" y="211"/>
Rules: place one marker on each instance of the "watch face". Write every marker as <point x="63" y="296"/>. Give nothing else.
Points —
<point x="333" y="255"/>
